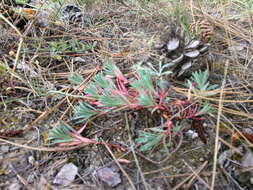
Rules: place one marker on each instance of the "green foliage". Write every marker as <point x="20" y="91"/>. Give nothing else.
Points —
<point x="22" y="2"/>
<point x="3" y="69"/>
<point x="200" y="84"/>
<point x="109" y="92"/>
<point x="111" y="69"/>
<point x="204" y="110"/>
<point x="76" y="79"/>
<point x="149" y="140"/>
<point x="144" y="82"/>
<point x="63" y="46"/>
<point x="158" y="74"/>
<point x="84" y="111"/>
<point x="112" y="101"/>
<point x="61" y="134"/>
<point x="146" y="100"/>
<point x="246" y="4"/>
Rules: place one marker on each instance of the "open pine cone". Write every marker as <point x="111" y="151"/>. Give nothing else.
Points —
<point x="180" y="51"/>
<point x="73" y="15"/>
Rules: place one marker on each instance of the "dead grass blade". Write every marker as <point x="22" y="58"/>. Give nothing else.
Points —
<point x="44" y="149"/>
<point x="190" y="176"/>
<point x="197" y="176"/>
<point x="218" y="129"/>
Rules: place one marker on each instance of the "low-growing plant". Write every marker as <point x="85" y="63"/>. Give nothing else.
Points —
<point x="58" y="48"/>
<point x="112" y="91"/>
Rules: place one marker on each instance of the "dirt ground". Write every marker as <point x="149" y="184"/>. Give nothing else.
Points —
<point x="43" y="46"/>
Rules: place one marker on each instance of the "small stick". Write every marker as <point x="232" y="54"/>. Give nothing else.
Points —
<point x="21" y="40"/>
<point x="196" y="175"/>
<point x="21" y="179"/>
<point x="218" y="128"/>
<point x="190" y="176"/>
<point x="45" y="149"/>
<point x="120" y="167"/>
<point x="134" y="154"/>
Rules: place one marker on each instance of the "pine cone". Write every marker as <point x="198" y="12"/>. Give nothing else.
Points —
<point x="180" y="51"/>
<point x="72" y="14"/>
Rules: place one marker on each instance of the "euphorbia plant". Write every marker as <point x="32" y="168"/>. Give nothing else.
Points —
<point x="146" y="88"/>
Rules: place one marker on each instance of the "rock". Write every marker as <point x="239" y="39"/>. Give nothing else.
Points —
<point x="247" y="160"/>
<point x="66" y="175"/>
<point x="15" y="185"/>
<point x="5" y="148"/>
<point x="109" y="176"/>
<point x="79" y="59"/>
<point x="191" y="134"/>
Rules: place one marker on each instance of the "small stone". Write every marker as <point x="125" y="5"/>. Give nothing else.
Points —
<point x="66" y="175"/>
<point x="31" y="160"/>
<point x="201" y="159"/>
<point x="191" y="134"/>
<point x="247" y="160"/>
<point x="15" y="186"/>
<point x="79" y="59"/>
<point x="109" y="176"/>
<point x="5" y="148"/>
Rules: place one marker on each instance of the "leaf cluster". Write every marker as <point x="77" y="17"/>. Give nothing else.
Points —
<point x="112" y="91"/>
<point x="199" y="84"/>
<point x="61" y="134"/>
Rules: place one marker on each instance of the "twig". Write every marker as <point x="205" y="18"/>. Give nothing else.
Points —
<point x="45" y="113"/>
<point x="196" y="175"/>
<point x="134" y="154"/>
<point x="190" y="176"/>
<point x="21" y="40"/>
<point x="120" y="167"/>
<point x="45" y="149"/>
<point x="231" y="146"/>
<point x="21" y="179"/>
<point x="156" y="171"/>
<point x="182" y="175"/>
<point x="218" y="128"/>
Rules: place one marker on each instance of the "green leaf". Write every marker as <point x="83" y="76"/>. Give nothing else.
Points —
<point x="202" y="84"/>
<point x="101" y="81"/>
<point x="145" y="100"/>
<point x="144" y="81"/>
<point x="148" y="140"/>
<point x="3" y="69"/>
<point x="92" y="90"/>
<point x="207" y="108"/>
<point x="61" y="134"/>
<point x="84" y="112"/>
<point x="22" y="2"/>
<point x="76" y="79"/>
<point x="109" y="69"/>
<point x="108" y="100"/>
